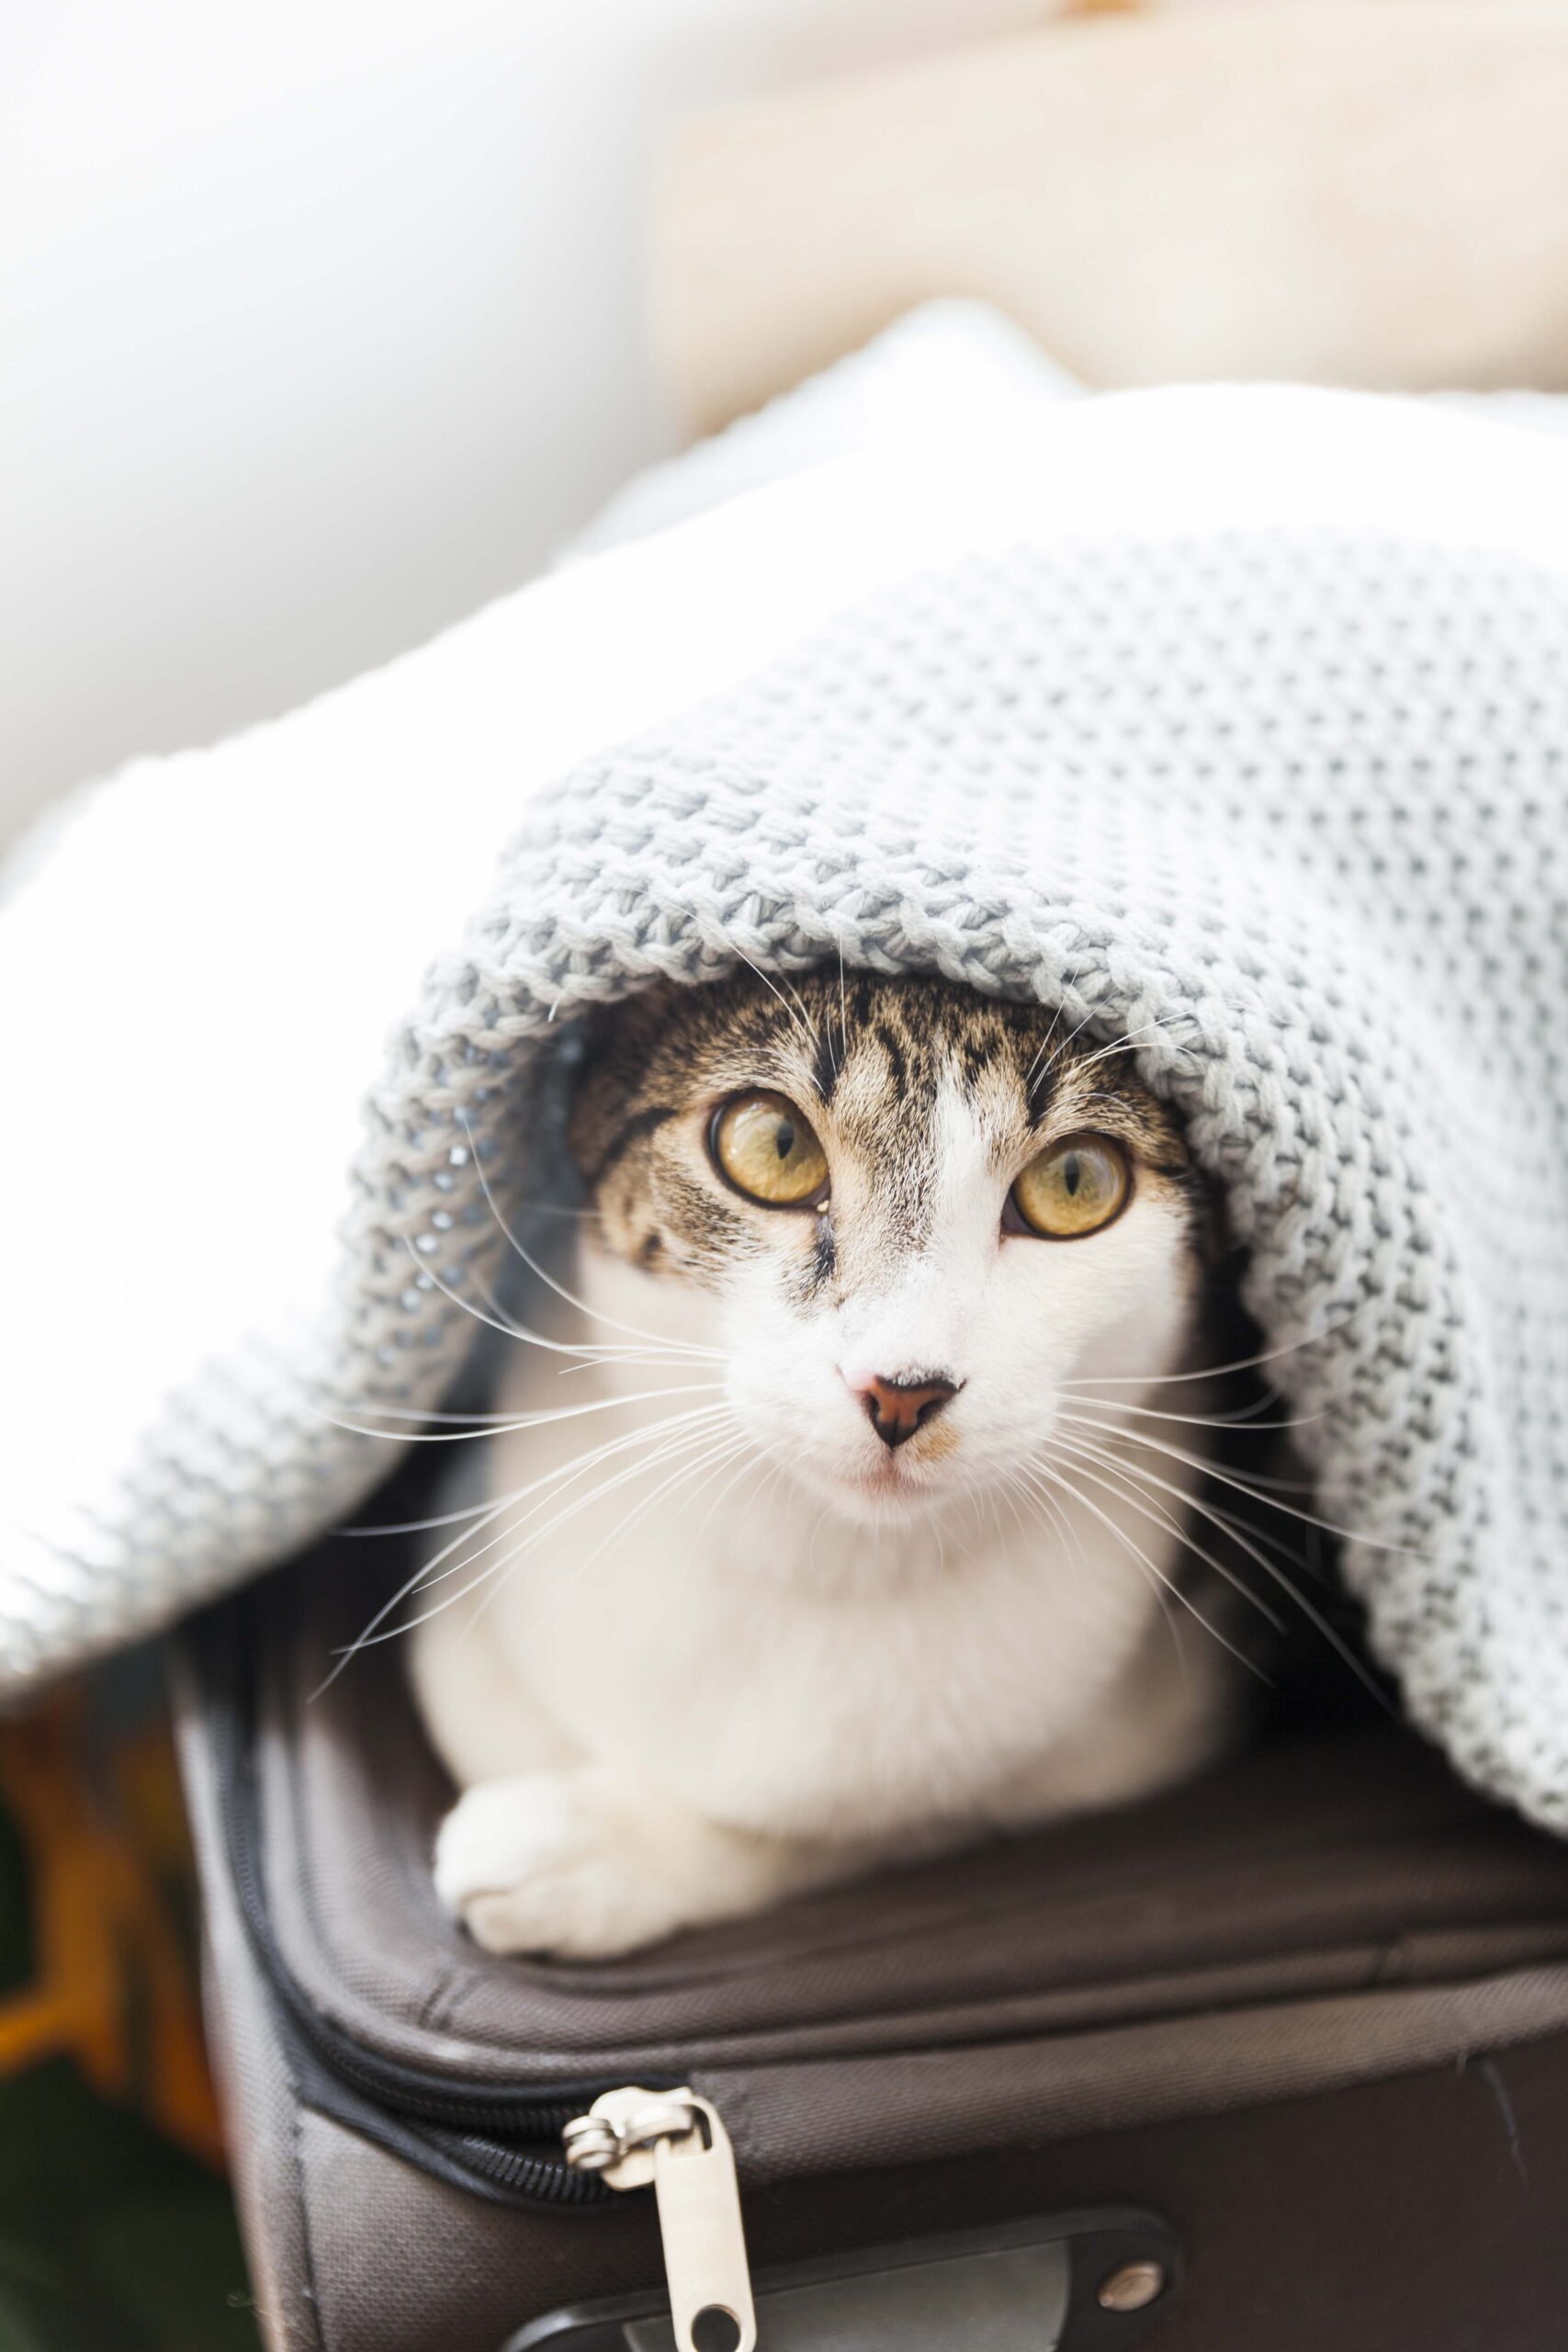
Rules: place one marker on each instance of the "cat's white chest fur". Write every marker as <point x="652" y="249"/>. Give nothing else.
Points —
<point x="695" y="1688"/>
<point x="780" y="1673"/>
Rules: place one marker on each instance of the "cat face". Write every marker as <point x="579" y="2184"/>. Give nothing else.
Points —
<point x="909" y="1218"/>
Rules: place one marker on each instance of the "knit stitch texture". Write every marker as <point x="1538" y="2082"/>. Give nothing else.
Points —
<point x="1284" y="810"/>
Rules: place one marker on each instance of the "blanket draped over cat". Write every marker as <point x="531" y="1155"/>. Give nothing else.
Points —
<point x="1233" y="722"/>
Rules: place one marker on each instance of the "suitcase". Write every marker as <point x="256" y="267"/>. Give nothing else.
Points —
<point x="1274" y="2062"/>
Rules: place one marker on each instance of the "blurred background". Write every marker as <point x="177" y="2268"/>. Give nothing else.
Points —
<point x="323" y="321"/>
<point x="323" y="324"/>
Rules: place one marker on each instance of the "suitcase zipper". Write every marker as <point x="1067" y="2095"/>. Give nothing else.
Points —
<point x="492" y="2138"/>
<point x="674" y="2140"/>
<point x="497" y="2138"/>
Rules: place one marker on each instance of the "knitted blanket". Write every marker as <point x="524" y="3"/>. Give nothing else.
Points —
<point x="1234" y="722"/>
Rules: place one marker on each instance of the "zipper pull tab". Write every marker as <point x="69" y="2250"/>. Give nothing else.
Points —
<point x="674" y="2140"/>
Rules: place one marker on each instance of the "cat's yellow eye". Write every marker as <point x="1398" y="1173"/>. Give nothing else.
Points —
<point x="1073" y="1189"/>
<point x="761" y="1143"/>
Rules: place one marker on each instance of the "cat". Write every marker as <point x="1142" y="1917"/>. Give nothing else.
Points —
<point x="884" y="1284"/>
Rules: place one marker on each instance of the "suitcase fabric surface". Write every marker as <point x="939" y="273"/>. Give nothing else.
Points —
<point x="1310" y="2012"/>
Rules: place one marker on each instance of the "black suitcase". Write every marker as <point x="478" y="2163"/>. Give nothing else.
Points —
<point x="1274" y="2063"/>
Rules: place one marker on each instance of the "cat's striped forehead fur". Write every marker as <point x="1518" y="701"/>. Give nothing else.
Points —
<point x="874" y="1065"/>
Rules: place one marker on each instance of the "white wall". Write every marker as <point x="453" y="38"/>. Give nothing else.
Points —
<point x="319" y="320"/>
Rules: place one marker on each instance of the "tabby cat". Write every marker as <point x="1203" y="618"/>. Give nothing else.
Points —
<point x="841" y="1509"/>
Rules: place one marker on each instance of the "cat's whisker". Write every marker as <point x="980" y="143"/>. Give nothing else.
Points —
<point x="425" y="1577"/>
<point x="681" y="1347"/>
<point x="1040" y="1504"/>
<point x="1076" y="1031"/>
<point x="1168" y="1584"/>
<point x="588" y="1353"/>
<point x="843" y="1016"/>
<point x="994" y="1495"/>
<point x="1083" y="1061"/>
<point x="420" y="1526"/>
<point x="1216" y="1371"/>
<point x="1046" y="1506"/>
<point x="1045" y="1476"/>
<point x="1314" y="1615"/>
<point x="596" y="1351"/>
<point x="1227" y="1523"/>
<point x="497" y="1573"/>
<point x="1119" y="1044"/>
<point x="670" y="1429"/>
<point x="1040" y="1051"/>
<point x="1005" y="1489"/>
<point x="719" y="1449"/>
<point x="777" y="1472"/>
<point x="560" y="1208"/>
<point x="1056" y="1012"/>
<point x="1243" y="1419"/>
<point x="1258" y="1489"/>
<point x="478" y="1424"/>
<point x="726" y="1445"/>
<point x="508" y="1559"/>
<point x="497" y="1319"/>
<point x="473" y="1424"/>
<point x="369" y="1636"/>
<point x="524" y="1421"/>
<point x="608" y="1351"/>
<point x="566" y="1473"/>
<point x="1131" y="1490"/>
<point x="1235" y="1524"/>
<point x="797" y="1013"/>
<point x="752" y="1459"/>
<point x="757" y="1457"/>
<point x="1065" y="1046"/>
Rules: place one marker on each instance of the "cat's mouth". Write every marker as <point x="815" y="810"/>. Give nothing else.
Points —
<point x="889" y="1479"/>
<point x="883" y="1477"/>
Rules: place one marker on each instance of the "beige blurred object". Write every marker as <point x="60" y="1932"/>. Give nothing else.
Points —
<point x="1373" y="195"/>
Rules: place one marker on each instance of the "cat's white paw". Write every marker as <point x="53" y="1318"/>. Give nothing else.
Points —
<point x="551" y="1862"/>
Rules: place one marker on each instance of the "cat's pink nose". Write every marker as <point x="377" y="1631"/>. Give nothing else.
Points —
<point x="896" y="1408"/>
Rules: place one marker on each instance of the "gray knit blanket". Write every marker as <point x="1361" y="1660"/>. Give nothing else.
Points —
<point x="1235" y="724"/>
